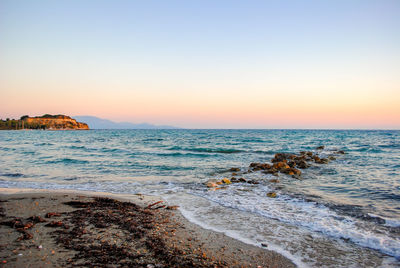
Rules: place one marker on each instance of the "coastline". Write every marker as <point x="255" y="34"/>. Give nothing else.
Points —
<point x="184" y="243"/>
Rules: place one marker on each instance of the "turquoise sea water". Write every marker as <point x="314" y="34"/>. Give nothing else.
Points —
<point x="350" y="206"/>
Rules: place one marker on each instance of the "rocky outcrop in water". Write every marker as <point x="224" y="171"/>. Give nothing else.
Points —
<point x="286" y="163"/>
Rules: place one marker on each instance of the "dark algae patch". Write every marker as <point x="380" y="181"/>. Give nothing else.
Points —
<point x="110" y="233"/>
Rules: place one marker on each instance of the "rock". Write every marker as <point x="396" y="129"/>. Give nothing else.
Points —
<point x="270" y="171"/>
<point x="281" y="165"/>
<point x="274" y="180"/>
<point x="264" y="245"/>
<point x="340" y="152"/>
<point x="234" y="169"/>
<point x="291" y="171"/>
<point x="260" y="166"/>
<point x="234" y="180"/>
<point x="292" y="164"/>
<point x="309" y="153"/>
<point x="302" y="164"/>
<point x="323" y="161"/>
<point x="211" y="184"/>
<point x="226" y="181"/>
<point x="320" y="147"/>
<point x="331" y="157"/>
<point x="265" y="166"/>
<point x="234" y="174"/>
<point x="271" y="194"/>
<point x="279" y="157"/>
<point x="316" y="158"/>
<point x="253" y="182"/>
<point x="295" y="171"/>
<point x="242" y="180"/>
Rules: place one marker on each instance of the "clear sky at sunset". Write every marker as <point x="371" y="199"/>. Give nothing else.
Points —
<point x="204" y="64"/>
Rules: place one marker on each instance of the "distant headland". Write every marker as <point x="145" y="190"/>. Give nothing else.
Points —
<point x="47" y="121"/>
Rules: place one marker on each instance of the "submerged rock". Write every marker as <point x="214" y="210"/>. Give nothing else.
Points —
<point x="234" y="180"/>
<point x="271" y="194"/>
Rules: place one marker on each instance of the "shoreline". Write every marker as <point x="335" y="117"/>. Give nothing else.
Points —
<point x="183" y="242"/>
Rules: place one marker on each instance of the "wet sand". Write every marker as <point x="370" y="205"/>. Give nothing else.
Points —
<point x="42" y="228"/>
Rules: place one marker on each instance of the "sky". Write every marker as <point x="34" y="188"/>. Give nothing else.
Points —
<point x="204" y="64"/>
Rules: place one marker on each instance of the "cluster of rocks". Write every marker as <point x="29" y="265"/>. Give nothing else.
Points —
<point x="286" y="163"/>
<point x="292" y="163"/>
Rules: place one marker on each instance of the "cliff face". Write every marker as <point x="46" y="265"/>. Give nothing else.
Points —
<point x="54" y="122"/>
<point x="50" y="122"/>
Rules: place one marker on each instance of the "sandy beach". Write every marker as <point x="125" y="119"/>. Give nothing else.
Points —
<point x="41" y="228"/>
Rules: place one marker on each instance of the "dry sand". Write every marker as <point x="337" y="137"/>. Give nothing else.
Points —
<point x="105" y="230"/>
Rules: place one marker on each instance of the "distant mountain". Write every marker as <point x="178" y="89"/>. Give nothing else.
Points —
<point x="100" y="123"/>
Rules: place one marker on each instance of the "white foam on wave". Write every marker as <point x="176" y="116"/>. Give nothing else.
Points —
<point x="295" y="259"/>
<point x="310" y="215"/>
<point x="388" y="222"/>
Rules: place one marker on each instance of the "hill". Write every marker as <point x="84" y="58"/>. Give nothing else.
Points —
<point x="100" y="123"/>
<point x="47" y="121"/>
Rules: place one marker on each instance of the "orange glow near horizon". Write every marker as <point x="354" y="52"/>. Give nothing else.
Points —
<point x="251" y="108"/>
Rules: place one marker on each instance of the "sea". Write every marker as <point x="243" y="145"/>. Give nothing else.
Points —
<point x="345" y="213"/>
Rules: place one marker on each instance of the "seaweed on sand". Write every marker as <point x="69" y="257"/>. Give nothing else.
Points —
<point x="110" y="233"/>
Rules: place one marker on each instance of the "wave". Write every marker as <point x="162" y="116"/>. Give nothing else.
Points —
<point x="253" y="140"/>
<point x="391" y="145"/>
<point x="153" y="139"/>
<point x="77" y="147"/>
<point x="113" y="150"/>
<point x="166" y="167"/>
<point x="298" y="212"/>
<point x="44" y="144"/>
<point x="13" y="175"/>
<point x="177" y="154"/>
<point x="67" y="161"/>
<point x="206" y="150"/>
